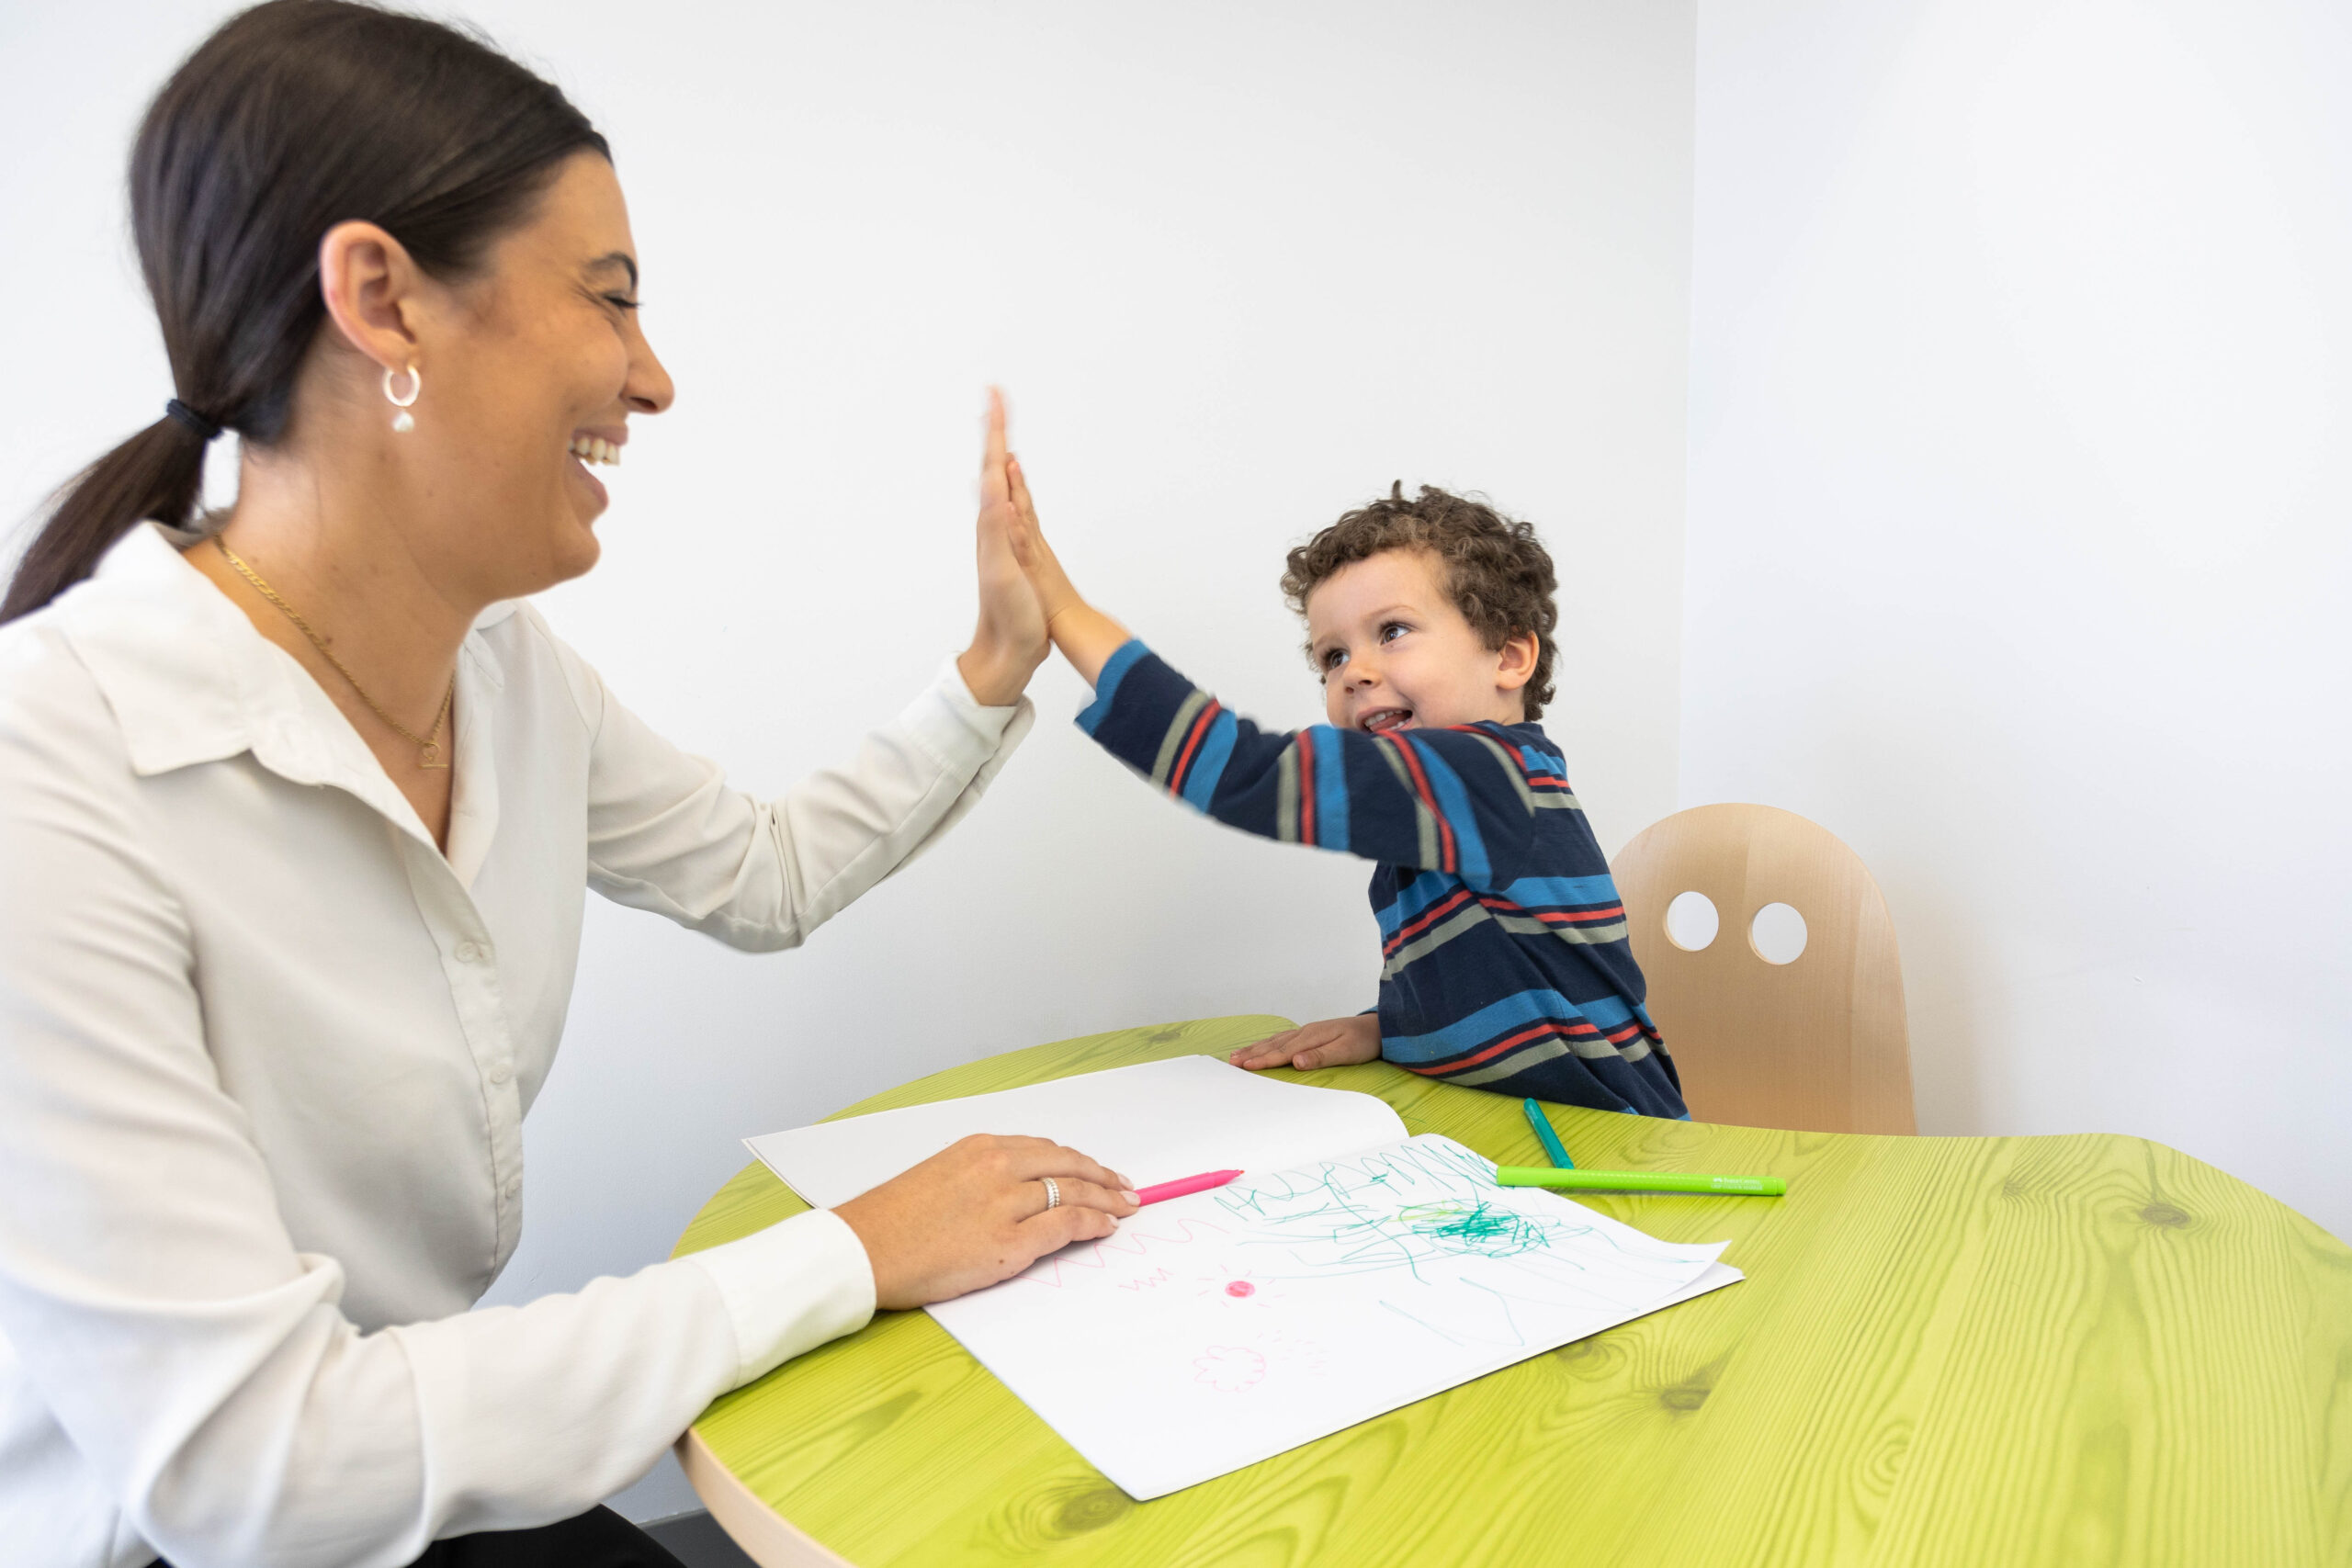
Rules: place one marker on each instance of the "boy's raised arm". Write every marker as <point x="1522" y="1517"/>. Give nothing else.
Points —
<point x="1453" y="800"/>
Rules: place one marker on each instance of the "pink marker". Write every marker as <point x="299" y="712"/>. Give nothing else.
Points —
<point x="1178" y="1189"/>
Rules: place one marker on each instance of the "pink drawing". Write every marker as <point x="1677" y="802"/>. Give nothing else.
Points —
<point x="1229" y="1369"/>
<point x="1237" y="1287"/>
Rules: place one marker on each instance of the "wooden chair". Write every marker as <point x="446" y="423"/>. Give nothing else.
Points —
<point x="1819" y="1044"/>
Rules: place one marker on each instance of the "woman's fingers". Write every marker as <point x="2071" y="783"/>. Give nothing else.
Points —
<point x="1027" y="1158"/>
<point x="995" y="487"/>
<point x="1048" y="1233"/>
<point x="1076" y="1193"/>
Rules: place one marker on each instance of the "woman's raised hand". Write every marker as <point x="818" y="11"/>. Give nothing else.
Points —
<point x="1009" y="641"/>
<point x="976" y="1213"/>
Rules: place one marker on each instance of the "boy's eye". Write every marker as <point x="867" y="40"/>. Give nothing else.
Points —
<point x="1393" y="630"/>
<point x="1333" y="657"/>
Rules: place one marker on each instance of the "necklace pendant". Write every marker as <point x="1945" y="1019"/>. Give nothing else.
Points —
<point x="429" y="756"/>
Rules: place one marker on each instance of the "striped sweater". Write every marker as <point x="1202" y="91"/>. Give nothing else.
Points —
<point x="1505" y="965"/>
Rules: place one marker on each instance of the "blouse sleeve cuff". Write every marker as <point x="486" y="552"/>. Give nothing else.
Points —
<point x="958" y="731"/>
<point x="790" y="1288"/>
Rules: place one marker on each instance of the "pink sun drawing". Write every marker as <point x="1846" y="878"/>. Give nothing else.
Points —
<point x="1229" y="1369"/>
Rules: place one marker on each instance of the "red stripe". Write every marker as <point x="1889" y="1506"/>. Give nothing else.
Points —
<point x="1556" y="917"/>
<point x="1445" y="856"/>
<point x="1306" y="786"/>
<point x="1191" y="741"/>
<point x="1548" y="1026"/>
<point x="1427" y="919"/>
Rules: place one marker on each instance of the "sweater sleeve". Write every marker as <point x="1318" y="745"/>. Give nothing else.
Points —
<point x="1461" y="800"/>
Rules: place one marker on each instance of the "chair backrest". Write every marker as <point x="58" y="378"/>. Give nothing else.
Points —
<point x="1818" y="1043"/>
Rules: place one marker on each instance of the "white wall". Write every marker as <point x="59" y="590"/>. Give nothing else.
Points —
<point x="2017" y="539"/>
<point x="1241" y="266"/>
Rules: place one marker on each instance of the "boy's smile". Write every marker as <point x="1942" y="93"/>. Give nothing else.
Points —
<point x="1394" y="654"/>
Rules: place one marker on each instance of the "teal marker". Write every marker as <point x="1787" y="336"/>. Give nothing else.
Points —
<point x="1638" y="1181"/>
<point x="1551" y="1140"/>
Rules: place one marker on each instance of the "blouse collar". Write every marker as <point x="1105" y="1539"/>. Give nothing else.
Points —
<point x="191" y="680"/>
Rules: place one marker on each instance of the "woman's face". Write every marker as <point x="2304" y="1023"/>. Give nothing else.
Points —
<point x="526" y="366"/>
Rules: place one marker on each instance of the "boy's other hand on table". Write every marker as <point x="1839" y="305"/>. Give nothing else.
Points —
<point x="1334" y="1042"/>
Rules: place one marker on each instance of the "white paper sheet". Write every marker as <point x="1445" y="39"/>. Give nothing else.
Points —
<point x="1225" y="1327"/>
<point x="1153" y="1122"/>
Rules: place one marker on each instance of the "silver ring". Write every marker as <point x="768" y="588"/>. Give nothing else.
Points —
<point x="1053" y="1193"/>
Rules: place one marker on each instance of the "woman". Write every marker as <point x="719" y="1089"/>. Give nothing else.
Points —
<point x="296" y="810"/>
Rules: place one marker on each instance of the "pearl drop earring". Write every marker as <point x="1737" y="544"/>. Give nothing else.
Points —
<point x="403" y="422"/>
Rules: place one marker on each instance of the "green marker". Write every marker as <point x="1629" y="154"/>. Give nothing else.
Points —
<point x="1551" y="1140"/>
<point x="1638" y="1181"/>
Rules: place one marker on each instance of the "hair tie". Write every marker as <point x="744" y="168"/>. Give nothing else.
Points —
<point x="205" y="426"/>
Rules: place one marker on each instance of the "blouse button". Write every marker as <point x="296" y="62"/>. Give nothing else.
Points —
<point x="468" y="952"/>
<point x="499" y="1075"/>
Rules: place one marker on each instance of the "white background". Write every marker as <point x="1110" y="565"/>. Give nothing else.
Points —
<point x="1241" y="268"/>
<point x="2017" y="372"/>
<point x="2020" y="538"/>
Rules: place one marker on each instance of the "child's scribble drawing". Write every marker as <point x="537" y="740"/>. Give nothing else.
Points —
<point x="1312" y="1298"/>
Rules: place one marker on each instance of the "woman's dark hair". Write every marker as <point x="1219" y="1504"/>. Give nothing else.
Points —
<point x="295" y="116"/>
<point x="1497" y="572"/>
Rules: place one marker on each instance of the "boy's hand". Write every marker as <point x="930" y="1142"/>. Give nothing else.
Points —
<point x="1009" y="641"/>
<point x="1085" y="635"/>
<point x="1335" y="1041"/>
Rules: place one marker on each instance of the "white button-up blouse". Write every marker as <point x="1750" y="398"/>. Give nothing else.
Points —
<point x="265" y="1055"/>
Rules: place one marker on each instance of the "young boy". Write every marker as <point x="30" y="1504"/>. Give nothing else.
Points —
<point x="1505" y="965"/>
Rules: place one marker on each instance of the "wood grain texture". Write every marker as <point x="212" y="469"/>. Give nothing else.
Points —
<point x="1967" y="1352"/>
<point x="1821" y="1042"/>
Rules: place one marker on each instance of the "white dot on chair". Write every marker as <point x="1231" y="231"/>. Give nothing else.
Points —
<point x="1691" y="922"/>
<point x="1777" y="933"/>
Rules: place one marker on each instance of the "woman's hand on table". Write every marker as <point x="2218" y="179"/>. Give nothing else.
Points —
<point x="1333" y="1043"/>
<point x="1009" y="641"/>
<point x="976" y="1212"/>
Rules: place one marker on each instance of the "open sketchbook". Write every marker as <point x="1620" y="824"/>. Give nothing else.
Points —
<point x="1352" y="1270"/>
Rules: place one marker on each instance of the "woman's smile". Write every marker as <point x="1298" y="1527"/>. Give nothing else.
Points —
<point x="600" y="445"/>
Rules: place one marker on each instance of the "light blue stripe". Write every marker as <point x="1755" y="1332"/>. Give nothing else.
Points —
<point x="1544" y="761"/>
<point x="1217" y="749"/>
<point x="1106" y="684"/>
<point x="1608" y="1014"/>
<point x="1494" y="1019"/>
<point x="1453" y="803"/>
<point x="1330" y="785"/>
<point x="1413" y="897"/>
<point x="1564" y="890"/>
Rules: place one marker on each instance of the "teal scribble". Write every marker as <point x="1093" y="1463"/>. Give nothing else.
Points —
<point x="1474" y="1225"/>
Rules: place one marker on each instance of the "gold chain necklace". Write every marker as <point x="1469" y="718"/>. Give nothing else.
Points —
<point x="428" y="747"/>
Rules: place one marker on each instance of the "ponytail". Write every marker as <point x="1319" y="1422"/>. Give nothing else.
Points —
<point x="157" y="473"/>
<point x="293" y="116"/>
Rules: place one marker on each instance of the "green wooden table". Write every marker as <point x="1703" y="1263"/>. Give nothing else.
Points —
<point x="1992" y="1352"/>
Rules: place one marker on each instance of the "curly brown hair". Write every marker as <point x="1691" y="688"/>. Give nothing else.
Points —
<point x="1497" y="572"/>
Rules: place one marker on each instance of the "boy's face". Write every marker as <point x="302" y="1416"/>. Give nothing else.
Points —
<point x="1396" y="654"/>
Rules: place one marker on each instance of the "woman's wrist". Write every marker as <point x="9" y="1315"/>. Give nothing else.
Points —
<point x="996" y="676"/>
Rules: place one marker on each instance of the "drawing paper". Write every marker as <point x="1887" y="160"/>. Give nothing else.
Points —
<point x="1352" y="1270"/>
<point x="1222" y="1329"/>
<point x="1153" y="1122"/>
